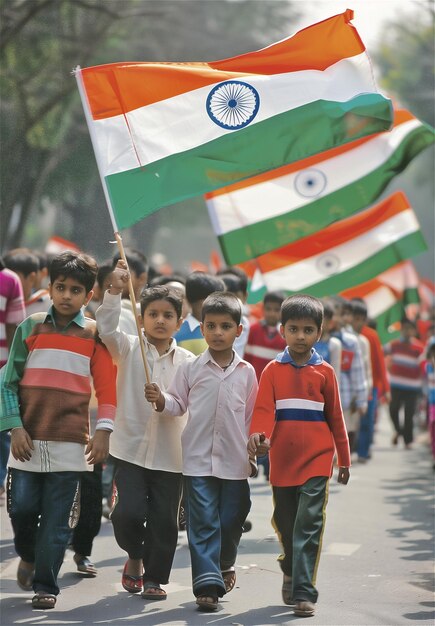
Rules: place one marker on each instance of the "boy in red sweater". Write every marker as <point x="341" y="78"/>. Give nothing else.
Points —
<point x="298" y="407"/>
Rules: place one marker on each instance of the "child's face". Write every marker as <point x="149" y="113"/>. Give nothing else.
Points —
<point x="358" y="322"/>
<point x="272" y="313"/>
<point x="220" y="331"/>
<point x="68" y="296"/>
<point x="160" y="321"/>
<point x="300" y="336"/>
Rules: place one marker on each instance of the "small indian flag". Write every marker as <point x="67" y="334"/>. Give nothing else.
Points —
<point x="344" y="254"/>
<point x="278" y="207"/>
<point x="388" y="298"/>
<point x="164" y="132"/>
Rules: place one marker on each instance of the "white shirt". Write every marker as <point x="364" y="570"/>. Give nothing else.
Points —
<point x="220" y="407"/>
<point x="141" y="435"/>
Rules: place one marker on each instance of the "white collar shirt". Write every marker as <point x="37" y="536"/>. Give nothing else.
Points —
<point x="220" y="405"/>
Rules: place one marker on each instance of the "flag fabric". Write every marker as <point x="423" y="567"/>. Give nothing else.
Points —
<point x="345" y="254"/>
<point x="278" y="207"/>
<point x="388" y="298"/>
<point x="164" y="132"/>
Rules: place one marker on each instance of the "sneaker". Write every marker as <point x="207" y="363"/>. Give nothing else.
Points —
<point x="304" y="608"/>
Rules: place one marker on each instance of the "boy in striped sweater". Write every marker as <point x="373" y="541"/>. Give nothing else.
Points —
<point x="298" y="407"/>
<point x="46" y="389"/>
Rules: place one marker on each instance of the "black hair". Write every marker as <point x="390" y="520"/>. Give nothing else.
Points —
<point x="21" y="260"/>
<point x="161" y="292"/>
<point x="302" y="306"/>
<point x="42" y="258"/>
<point x="199" y="285"/>
<point x="222" y="302"/>
<point x="77" y="265"/>
<point x="137" y="262"/>
<point x="359" y="307"/>
<point x="274" y="296"/>
<point x="236" y="271"/>
<point x="408" y="322"/>
<point x="232" y="282"/>
<point x="103" y="272"/>
<point x="328" y="309"/>
<point x="164" y="279"/>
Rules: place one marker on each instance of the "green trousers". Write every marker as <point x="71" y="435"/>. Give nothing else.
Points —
<point x="299" y="520"/>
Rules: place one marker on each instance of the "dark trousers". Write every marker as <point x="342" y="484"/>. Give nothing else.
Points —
<point x="39" y="507"/>
<point x="299" y="519"/>
<point x="91" y="507"/>
<point x="145" y="517"/>
<point x="408" y="399"/>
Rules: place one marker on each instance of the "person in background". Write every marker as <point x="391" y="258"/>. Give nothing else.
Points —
<point x="146" y="447"/>
<point x="199" y="285"/>
<point x="428" y="369"/>
<point x="25" y="264"/>
<point x="403" y="357"/>
<point x="12" y="313"/>
<point x="236" y="281"/>
<point x="329" y="347"/>
<point x="138" y="267"/>
<point x="49" y="421"/>
<point x="39" y="299"/>
<point x="218" y="390"/>
<point x="298" y="409"/>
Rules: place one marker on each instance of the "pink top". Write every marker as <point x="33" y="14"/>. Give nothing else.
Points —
<point x="12" y="309"/>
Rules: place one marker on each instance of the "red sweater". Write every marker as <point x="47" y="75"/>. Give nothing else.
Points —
<point x="299" y="409"/>
<point x="262" y="346"/>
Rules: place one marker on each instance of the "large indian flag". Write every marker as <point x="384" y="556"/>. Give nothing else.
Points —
<point x="344" y="254"/>
<point x="278" y="207"/>
<point x="164" y="132"/>
<point x="389" y="297"/>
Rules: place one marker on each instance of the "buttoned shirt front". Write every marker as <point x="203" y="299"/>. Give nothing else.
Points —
<point x="220" y="404"/>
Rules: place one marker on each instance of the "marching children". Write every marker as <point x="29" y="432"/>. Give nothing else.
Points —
<point x="298" y="407"/>
<point x="218" y="389"/>
<point x="146" y="446"/>
<point x="45" y="400"/>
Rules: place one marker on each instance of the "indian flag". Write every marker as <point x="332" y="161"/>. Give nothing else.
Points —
<point x="388" y="297"/>
<point x="164" y="132"/>
<point x="278" y="207"/>
<point x="344" y="254"/>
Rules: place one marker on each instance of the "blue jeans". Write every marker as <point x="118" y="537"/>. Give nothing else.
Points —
<point x="5" y="444"/>
<point x="367" y="427"/>
<point x="216" y="510"/>
<point x="40" y="505"/>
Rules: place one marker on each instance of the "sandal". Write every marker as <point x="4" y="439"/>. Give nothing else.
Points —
<point x="43" y="600"/>
<point x="84" y="566"/>
<point x="132" y="584"/>
<point x="153" y="591"/>
<point x="229" y="577"/>
<point x="25" y="575"/>
<point x="287" y="592"/>
<point x="207" y="603"/>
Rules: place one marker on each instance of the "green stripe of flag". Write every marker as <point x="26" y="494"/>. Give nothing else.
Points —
<point x="282" y="139"/>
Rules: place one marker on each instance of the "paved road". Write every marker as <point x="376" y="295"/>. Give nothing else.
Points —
<point x="376" y="568"/>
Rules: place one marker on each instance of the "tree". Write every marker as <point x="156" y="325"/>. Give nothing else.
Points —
<point x="47" y="159"/>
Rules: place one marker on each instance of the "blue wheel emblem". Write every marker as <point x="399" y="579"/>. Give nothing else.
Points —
<point x="310" y="183"/>
<point x="233" y="104"/>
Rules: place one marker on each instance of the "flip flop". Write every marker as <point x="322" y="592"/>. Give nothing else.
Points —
<point x="43" y="600"/>
<point x="132" y="584"/>
<point x="84" y="566"/>
<point x="25" y="576"/>
<point x="229" y="577"/>
<point x="207" y="603"/>
<point x="149" y="595"/>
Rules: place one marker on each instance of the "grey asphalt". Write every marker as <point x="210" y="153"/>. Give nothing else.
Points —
<point x="376" y="569"/>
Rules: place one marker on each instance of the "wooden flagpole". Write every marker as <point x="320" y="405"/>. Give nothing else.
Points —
<point x="85" y="104"/>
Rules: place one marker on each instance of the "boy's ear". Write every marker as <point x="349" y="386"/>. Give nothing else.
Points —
<point x="88" y="297"/>
<point x="180" y="321"/>
<point x="201" y="326"/>
<point x="281" y="331"/>
<point x="239" y="330"/>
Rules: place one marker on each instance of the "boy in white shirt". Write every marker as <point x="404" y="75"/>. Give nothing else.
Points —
<point x="218" y="389"/>
<point x="146" y="446"/>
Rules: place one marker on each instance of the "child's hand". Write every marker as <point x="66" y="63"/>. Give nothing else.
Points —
<point x="21" y="444"/>
<point x="258" y="445"/>
<point x="155" y="396"/>
<point x="98" y="447"/>
<point x="343" y="475"/>
<point x="119" y="278"/>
